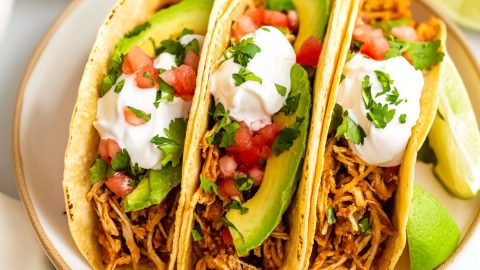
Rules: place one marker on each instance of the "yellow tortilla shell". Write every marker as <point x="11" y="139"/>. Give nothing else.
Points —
<point x="83" y="139"/>
<point x="402" y="198"/>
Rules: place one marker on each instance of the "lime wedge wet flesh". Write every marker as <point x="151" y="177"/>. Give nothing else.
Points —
<point x="464" y="12"/>
<point x="455" y="137"/>
<point x="432" y="233"/>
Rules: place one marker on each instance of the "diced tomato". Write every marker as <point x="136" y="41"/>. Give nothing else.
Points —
<point x="146" y="77"/>
<point x="243" y="138"/>
<point x="228" y="165"/>
<point x="131" y="118"/>
<point x="376" y="47"/>
<point x="226" y="236"/>
<point x="252" y="155"/>
<point x="363" y="32"/>
<point x="405" y="32"/>
<point x="243" y="26"/>
<point x="108" y="149"/>
<point x="276" y="18"/>
<point x="227" y="188"/>
<point x="182" y="79"/>
<point x="257" y="175"/>
<point x="265" y="152"/>
<point x="191" y="59"/>
<point x="118" y="184"/>
<point x="269" y="133"/>
<point x="135" y="60"/>
<point x="309" y="52"/>
<point x="257" y="15"/>
<point x="293" y="19"/>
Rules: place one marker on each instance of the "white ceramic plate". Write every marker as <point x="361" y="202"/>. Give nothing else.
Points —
<point x="44" y="105"/>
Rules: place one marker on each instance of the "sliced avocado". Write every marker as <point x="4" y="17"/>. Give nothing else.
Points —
<point x="313" y="18"/>
<point x="165" y="24"/>
<point x="153" y="188"/>
<point x="282" y="172"/>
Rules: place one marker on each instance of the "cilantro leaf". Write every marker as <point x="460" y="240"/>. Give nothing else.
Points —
<point x="350" y="130"/>
<point x="109" y="80"/>
<point x="286" y="137"/>
<point x="185" y="31"/>
<point x="280" y="5"/>
<point x="402" y="118"/>
<point x="197" y="233"/>
<point x="138" y="29"/>
<point x="393" y="97"/>
<point x="121" y="161"/>
<point x="291" y="104"/>
<point x="364" y="225"/>
<point x="331" y="215"/>
<point x="337" y="118"/>
<point x="172" y="47"/>
<point x="244" y="75"/>
<point x="282" y="90"/>
<point x="367" y="92"/>
<point x="119" y="86"/>
<point x="208" y="186"/>
<point x="164" y="92"/>
<point x="193" y="46"/>
<point x="227" y="136"/>
<point x="97" y="171"/>
<point x="172" y="145"/>
<point x="231" y="225"/>
<point x="140" y="114"/>
<point x="224" y="134"/>
<point x="424" y="54"/>
<point x="265" y="29"/>
<point x="243" y="182"/>
<point x="384" y="79"/>
<point x="380" y="115"/>
<point x="236" y="205"/>
<point x="243" y="51"/>
<point x="147" y="75"/>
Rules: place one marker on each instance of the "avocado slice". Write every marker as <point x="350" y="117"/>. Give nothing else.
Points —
<point x="282" y="172"/>
<point x="313" y="18"/>
<point x="153" y="188"/>
<point x="165" y="24"/>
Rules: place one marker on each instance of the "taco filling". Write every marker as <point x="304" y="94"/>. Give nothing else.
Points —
<point x="141" y="119"/>
<point x="377" y="104"/>
<point x="253" y="150"/>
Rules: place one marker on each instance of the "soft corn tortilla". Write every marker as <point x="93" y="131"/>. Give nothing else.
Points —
<point x="83" y="139"/>
<point x="402" y="198"/>
<point x="295" y="250"/>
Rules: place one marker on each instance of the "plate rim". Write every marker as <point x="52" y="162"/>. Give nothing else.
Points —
<point x="51" y="251"/>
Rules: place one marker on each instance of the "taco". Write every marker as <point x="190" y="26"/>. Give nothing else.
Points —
<point x="123" y="162"/>
<point x="251" y="132"/>
<point x="381" y="105"/>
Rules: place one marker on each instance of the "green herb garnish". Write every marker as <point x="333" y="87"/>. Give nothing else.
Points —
<point x="208" y="186"/>
<point x="172" y="144"/>
<point x="236" y="205"/>
<point x="244" y="75"/>
<point x="331" y="215"/>
<point x="282" y="90"/>
<point x="140" y="114"/>
<point x="243" y="51"/>
<point x="424" y="54"/>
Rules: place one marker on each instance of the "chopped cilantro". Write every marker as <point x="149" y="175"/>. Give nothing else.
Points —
<point x="265" y="29"/>
<point x="165" y="92"/>
<point x="380" y="115"/>
<point x="243" y="182"/>
<point x="384" y="79"/>
<point x="236" y="205"/>
<point x="121" y="161"/>
<point x="280" y="5"/>
<point x="138" y="29"/>
<point x="172" y="145"/>
<point x="119" y="86"/>
<point x="243" y="51"/>
<point x="172" y="47"/>
<point x="286" y="137"/>
<point x="140" y="114"/>
<point x="402" y="118"/>
<point x="364" y="225"/>
<point x="231" y="225"/>
<point x="224" y="133"/>
<point x="197" y="233"/>
<point x="350" y="130"/>
<point x="244" y="75"/>
<point x="109" y="80"/>
<point x="337" y="118"/>
<point x="193" y="46"/>
<point x="97" y="171"/>
<point x="282" y="90"/>
<point x="424" y="54"/>
<point x="150" y="78"/>
<point x="331" y="215"/>
<point x="367" y="92"/>
<point x="208" y="186"/>
<point x="390" y="24"/>
<point x="291" y="104"/>
<point x="185" y="31"/>
<point x="393" y="97"/>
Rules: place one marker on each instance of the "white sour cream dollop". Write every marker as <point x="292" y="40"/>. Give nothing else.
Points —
<point x="255" y="102"/>
<point x="382" y="146"/>
<point x="111" y="122"/>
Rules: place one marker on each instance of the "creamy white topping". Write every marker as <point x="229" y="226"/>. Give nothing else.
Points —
<point x="382" y="147"/>
<point x="255" y="102"/>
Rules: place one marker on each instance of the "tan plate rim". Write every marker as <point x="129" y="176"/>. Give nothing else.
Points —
<point x="50" y="249"/>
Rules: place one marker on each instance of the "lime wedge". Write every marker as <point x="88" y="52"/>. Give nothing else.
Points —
<point x="465" y="12"/>
<point x="432" y="233"/>
<point x="455" y="137"/>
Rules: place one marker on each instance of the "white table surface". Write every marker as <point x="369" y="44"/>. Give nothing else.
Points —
<point x="30" y="20"/>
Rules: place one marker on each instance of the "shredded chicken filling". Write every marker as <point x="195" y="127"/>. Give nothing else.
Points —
<point x="212" y="252"/>
<point x="352" y="224"/>
<point x="139" y="236"/>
